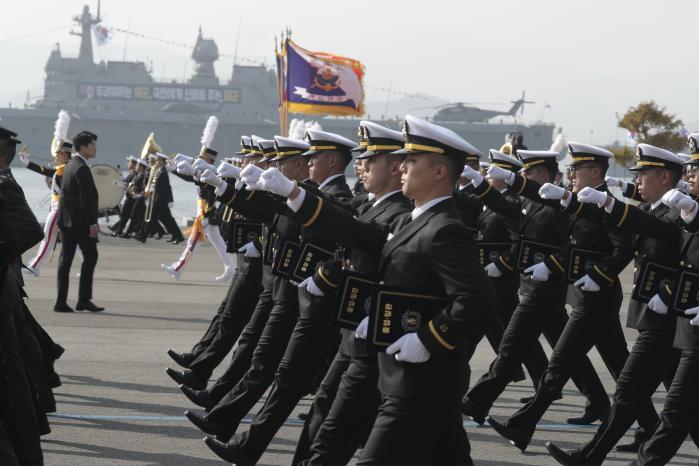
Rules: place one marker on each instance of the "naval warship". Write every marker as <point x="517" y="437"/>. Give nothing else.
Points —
<point x="121" y="102"/>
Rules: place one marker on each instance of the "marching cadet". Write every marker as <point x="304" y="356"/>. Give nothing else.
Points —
<point x="239" y="304"/>
<point x="544" y="230"/>
<point x="347" y="400"/>
<point x="206" y="223"/>
<point x="313" y="339"/>
<point x="421" y="375"/>
<point x="127" y="205"/>
<point x="681" y="410"/>
<point x="592" y="261"/>
<point x="61" y="150"/>
<point x="652" y="359"/>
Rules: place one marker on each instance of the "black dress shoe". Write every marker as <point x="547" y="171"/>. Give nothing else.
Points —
<point x="474" y="411"/>
<point x="516" y="438"/>
<point x="518" y="375"/>
<point x="632" y="447"/>
<point x="227" y="452"/>
<point x="186" y="377"/>
<point x="588" y="417"/>
<point x="88" y="306"/>
<point x="210" y="428"/>
<point x="201" y="398"/>
<point x="565" y="457"/>
<point x="141" y="238"/>
<point x="529" y="399"/>
<point x="126" y="235"/>
<point x="176" y="240"/>
<point x="183" y="359"/>
<point x="62" y="307"/>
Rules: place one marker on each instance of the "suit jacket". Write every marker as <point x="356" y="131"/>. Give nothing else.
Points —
<point x="429" y="255"/>
<point x="78" y="199"/>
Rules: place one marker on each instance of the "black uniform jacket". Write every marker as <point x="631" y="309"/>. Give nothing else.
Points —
<point x="429" y="255"/>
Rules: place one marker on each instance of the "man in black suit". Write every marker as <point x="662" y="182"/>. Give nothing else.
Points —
<point x="77" y="219"/>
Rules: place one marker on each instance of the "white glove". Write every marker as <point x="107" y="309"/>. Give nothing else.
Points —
<point x="551" y="191"/>
<point x="201" y="165"/>
<point x="611" y="181"/>
<point x="683" y="186"/>
<point x="273" y="181"/>
<point x="185" y="168"/>
<point x="171" y="165"/>
<point x="473" y="175"/>
<point x="24" y="158"/>
<point x="587" y="284"/>
<point x="592" y="196"/>
<point x="693" y="311"/>
<point x="250" y="176"/>
<point x="226" y="170"/>
<point x="250" y="251"/>
<point x="678" y="200"/>
<point x="657" y="305"/>
<point x="183" y="158"/>
<point x="540" y="272"/>
<point x="497" y="173"/>
<point x="210" y="178"/>
<point x="409" y="348"/>
<point x="311" y="287"/>
<point x="492" y="270"/>
<point x="362" y="329"/>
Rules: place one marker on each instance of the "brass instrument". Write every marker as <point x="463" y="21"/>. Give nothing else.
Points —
<point x="151" y="147"/>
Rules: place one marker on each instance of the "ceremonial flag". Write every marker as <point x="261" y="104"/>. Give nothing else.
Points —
<point x="319" y="83"/>
<point x="102" y="34"/>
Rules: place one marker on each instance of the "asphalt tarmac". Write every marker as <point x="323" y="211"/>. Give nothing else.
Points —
<point x="118" y="407"/>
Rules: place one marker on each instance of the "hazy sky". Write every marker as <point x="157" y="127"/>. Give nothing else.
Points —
<point x="586" y="60"/>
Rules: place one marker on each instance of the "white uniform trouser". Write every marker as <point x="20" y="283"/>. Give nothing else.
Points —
<point x="214" y="236"/>
<point x="49" y="241"/>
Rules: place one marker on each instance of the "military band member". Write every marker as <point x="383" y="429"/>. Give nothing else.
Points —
<point x="128" y="203"/>
<point x="542" y="305"/>
<point x="137" y="187"/>
<point x="161" y="197"/>
<point x="595" y="293"/>
<point x="652" y="359"/>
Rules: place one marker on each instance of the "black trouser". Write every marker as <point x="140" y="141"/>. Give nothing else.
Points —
<point x="17" y="409"/>
<point x="137" y="216"/>
<point x="70" y="239"/>
<point x="680" y="414"/>
<point x="242" y="356"/>
<point x="7" y="451"/>
<point x="163" y="215"/>
<point x="593" y="323"/>
<point x="45" y="341"/>
<point x="312" y="340"/>
<point x="269" y="351"/>
<point x="342" y="414"/>
<point x="240" y="304"/>
<point x="652" y="360"/>
<point x="414" y="432"/>
<point x="124" y="214"/>
<point x="530" y="319"/>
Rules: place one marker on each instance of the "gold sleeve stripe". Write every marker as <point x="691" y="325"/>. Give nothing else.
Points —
<point x="669" y="291"/>
<point x="623" y="217"/>
<point x="558" y="264"/>
<point x="314" y="217"/>
<point x="325" y="279"/>
<point x="252" y="193"/>
<point x="604" y="275"/>
<point x="580" y="207"/>
<point x="439" y="338"/>
<point x="633" y="193"/>
<point x="524" y="183"/>
<point x="235" y="195"/>
<point x="490" y="186"/>
<point x="502" y="261"/>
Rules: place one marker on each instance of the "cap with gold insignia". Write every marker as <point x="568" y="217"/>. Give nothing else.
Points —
<point x="533" y="158"/>
<point x="9" y="136"/>
<point x="255" y="150"/>
<point x="143" y="162"/>
<point x="288" y="148"/>
<point x="159" y="155"/>
<point x="361" y="132"/>
<point x="648" y="156"/>
<point x="266" y="146"/>
<point x="502" y="160"/>
<point x="245" y="146"/>
<point x="686" y="158"/>
<point x="693" y="141"/>
<point x="380" y="140"/>
<point x="421" y="136"/>
<point x="581" y="153"/>
<point x="321" y="141"/>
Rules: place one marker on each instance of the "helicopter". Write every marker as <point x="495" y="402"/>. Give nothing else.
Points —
<point x="463" y="112"/>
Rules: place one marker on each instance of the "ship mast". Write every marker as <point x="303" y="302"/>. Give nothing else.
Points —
<point x="86" y="21"/>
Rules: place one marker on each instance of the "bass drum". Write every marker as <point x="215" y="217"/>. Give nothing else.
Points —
<point x="110" y="187"/>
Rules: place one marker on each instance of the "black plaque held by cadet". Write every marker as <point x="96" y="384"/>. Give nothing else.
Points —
<point x="650" y="279"/>
<point x="395" y="312"/>
<point x="580" y="261"/>
<point x="286" y="259"/>
<point x="489" y="252"/>
<point x="353" y="300"/>
<point x="268" y="252"/>
<point x="310" y="257"/>
<point x="532" y="252"/>
<point x="243" y="232"/>
<point x="686" y="291"/>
